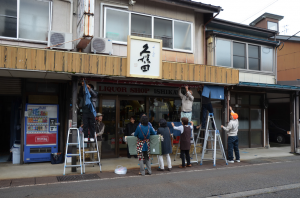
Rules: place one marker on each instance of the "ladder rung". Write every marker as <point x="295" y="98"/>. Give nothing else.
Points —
<point x="90" y="151"/>
<point x="213" y="149"/>
<point x="72" y="155"/>
<point x="73" y="143"/>
<point x="94" y="162"/>
<point x="72" y="165"/>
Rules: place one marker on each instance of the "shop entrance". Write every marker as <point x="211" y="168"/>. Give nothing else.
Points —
<point x="10" y="108"/>
<point x="117" y="112"/>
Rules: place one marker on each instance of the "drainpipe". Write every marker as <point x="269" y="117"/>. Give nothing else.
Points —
<point x="204" y="40"/>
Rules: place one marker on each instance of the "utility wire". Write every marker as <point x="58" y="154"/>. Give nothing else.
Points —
<point x="260" y="10"/>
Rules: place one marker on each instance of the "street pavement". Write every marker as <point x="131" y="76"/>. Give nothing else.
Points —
<point x="270" y="178"/>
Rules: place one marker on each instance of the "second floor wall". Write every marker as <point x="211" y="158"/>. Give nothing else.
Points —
<point x="27" y="22"/>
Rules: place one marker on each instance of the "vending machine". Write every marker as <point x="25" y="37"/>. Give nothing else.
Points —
<point x="41" y="132"/>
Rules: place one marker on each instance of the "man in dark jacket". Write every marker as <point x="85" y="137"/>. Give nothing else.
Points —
<point x="88" y="116"/>
<point x="206" y="106"/>
<point x="129" y="129"/>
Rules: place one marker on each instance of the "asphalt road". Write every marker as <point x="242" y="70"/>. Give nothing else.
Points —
<point x="220" y="182"/>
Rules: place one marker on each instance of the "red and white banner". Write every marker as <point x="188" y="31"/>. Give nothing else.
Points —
<point x="40" y="139"/>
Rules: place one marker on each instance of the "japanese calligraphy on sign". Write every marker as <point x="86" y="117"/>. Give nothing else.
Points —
<point x="144" y="57"/>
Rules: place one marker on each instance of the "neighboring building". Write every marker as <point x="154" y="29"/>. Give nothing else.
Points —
<point x="253" y="52"/>
<point x="268" y="21"/>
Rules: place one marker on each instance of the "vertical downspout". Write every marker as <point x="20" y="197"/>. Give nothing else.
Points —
<point x="275" y="61"/>
<point x="204" y="39"/>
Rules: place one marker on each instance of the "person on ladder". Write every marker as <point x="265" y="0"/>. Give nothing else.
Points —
<point x="88" y="110"/>
<point x="187" y="103"/>
<point x="206" y="106"/>
<point x="99" y="126"/>
<point x="233" y="140"/>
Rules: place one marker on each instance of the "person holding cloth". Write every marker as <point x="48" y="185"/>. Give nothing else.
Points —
<point x="166" y="145"/>
<point x="185" y="141"/>
<point x="129" y="129"/>
<point x="88" y="116"/>
<point x="233" y="140"/>
<point x="143" y="132"/>
<point x="206" y="106"/>
<point x="186" y="103"/>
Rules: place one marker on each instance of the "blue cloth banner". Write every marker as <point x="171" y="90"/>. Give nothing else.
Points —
<point x="215" y="92"/>
<point x="88" y="100"/>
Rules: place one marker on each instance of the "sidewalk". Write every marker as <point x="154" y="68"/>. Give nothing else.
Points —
<point x="36" y="173"/>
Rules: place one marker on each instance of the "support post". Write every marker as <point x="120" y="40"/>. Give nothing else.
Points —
<point x="23" y="120"/>
<point x="74" y="119"/>
<point x="292" y="121"/>
<point x="297" y="121"/>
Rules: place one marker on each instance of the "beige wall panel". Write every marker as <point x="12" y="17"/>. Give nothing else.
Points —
<point x="235" y="76"/>
<point x="40" y="59"/>
<point x="186" y="68"/>
<point x="171" y="12"/>
<point x="2" y="56"/>
<point x="197" y="73"/>
<point x="181" y="13"/>
<point x="93" y="64"/>
<point x="139" y="6"/>
<point x="213" y="74"/>
<point x="150" y="7"/>
<point x="190" y="16"/>
<point x="181" y="57"/>
<point x="58" y="59"/>
<point x="229" y="76"/>
<point x="172" y="69"/>
<point x="207" y="73"/>
<point x="85" y="63"/>
<point x="70" y="62"/>
<point x="191" y="72"/>
<point x="224" y="75"/>
<point x="31" y="58"/>
<point x="116" y="68"/>
<point x="165" y="70"/>
<point x="218" y="75"/>
<point x="61" y="16"/>
<point x="11" y="57"/>
<point x="50" y="61"/>
<point x="77" y="62"/>
<point x="160" y="9"/>
<point x="202" y="73"/>
<point x="19" y="63"/>
<point x="123" y="67"/>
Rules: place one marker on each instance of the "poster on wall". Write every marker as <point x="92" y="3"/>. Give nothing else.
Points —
<point x="144" y="58"/>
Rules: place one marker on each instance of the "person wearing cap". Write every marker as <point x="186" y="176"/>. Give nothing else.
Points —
<point x="233" y="140"/>
<point x="99" y="127"/>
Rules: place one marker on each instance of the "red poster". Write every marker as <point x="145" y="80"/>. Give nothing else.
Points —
<point x="38" y="139"/>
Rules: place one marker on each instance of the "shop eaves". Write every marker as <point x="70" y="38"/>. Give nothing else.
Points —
<point x="269" y="86"/>
<point x="197" y="6"/>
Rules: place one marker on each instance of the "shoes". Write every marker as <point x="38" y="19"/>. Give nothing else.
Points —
<point x="129" y="156"/>
<point x="159" y="169"/>
<point x="181" y="166"/>
<point x="92" y="139"/>
<point x="237" y="161"/>
<point x="230" y="161"/>
<point x="190" y="165"/>
<point x="135" y="156"/>
<point x="169" y="169"/>
<point x="86" y="139"/>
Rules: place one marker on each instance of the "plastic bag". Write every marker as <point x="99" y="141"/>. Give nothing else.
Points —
<point x="120" y="170"/>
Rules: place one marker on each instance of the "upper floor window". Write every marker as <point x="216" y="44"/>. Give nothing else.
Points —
<point x="176" y="35"/>
<point x="243" y="55"/>
<point x="30" y="21"/>
<point x="272" y="26"/>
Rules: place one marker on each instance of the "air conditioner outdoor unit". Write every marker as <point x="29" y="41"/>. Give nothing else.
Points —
<point x="55" y="38"/>
<point x="101" y="45"/>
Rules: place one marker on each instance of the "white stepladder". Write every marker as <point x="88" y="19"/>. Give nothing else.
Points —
<point x="91" y="152"/>
<point x="194" y="152"/>
<point x="73" y="154"/>
<point x="213" y="136"/>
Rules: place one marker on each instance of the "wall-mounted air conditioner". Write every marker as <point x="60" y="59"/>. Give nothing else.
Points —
<point x="101" y="45"/>
<point x="55" y="38"/>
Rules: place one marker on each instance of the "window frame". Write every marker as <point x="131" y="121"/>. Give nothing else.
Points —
<point x="272" y="22"/>
<point x="247" y="56"/>
<point x="152" y="28"/>
<point x="50" y="4"/>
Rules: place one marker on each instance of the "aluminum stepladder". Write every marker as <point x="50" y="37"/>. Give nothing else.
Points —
<point x="73" y="154"/>
<point x="91" y="152"/>
<point x="194" y="152"/>
<point x="213" y="136"/>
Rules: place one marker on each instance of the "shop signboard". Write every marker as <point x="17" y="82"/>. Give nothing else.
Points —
<point x="144" y="58"/>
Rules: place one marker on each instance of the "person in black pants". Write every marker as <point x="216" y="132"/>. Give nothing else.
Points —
<point x="206" y="106"/>
<point x="129" y="129"/>
<point x="185" y="141"/>
<point x="88" y="116"/>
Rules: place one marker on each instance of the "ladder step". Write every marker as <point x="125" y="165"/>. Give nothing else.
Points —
<point x="70" y="155"/>
<point x="72" y="165"/>
<point x="212" y="149"/>
<point x="73" y="143"/>
<point x="95" y="162"/>
<point x="90" y="151"/>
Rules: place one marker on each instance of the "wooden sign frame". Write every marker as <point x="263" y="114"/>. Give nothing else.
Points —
<point x="129" y="39"/>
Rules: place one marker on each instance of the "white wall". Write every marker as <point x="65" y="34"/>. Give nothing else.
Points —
<point x="256" y="78"/>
